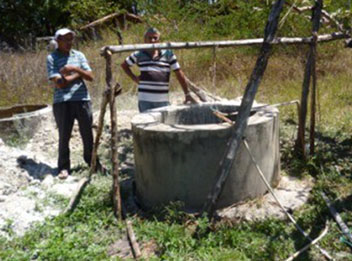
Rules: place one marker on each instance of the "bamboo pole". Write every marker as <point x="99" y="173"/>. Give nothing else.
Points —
<point x="244" y="110"/>
<point x="222" y="44"/>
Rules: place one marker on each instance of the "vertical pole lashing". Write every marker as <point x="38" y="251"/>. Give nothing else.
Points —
<point x="308" y="74"/>
<point x="114" y="155"/>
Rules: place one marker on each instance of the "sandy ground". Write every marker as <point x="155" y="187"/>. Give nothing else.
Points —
<point x="29" y="183"/>
<point x="28" y="174"/>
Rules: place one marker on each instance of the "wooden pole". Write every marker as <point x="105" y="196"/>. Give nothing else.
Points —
<point x="202" y="94"/>
<point x="133" y="241"/>
<point x="223" y="44"/>
<point x="309" y="71"/>
<point x="316" y="25"/>
<point x="114" y="155"/>
<point x="214" y="68"/>
<point x="244" y="110"/>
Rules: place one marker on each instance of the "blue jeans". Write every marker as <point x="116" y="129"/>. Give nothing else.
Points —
<point x="146" y="105"/>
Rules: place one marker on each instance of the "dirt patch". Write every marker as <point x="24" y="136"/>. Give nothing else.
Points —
<point x="291" y="192"/>
<point x="28" y="173"/>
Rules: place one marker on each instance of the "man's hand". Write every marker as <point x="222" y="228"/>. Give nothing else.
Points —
<point x="68" y="69"/>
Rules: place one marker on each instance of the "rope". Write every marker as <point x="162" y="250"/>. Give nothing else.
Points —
<point x="324" y="252"/>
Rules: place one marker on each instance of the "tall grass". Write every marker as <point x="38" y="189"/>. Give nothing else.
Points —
<point x="23" y="77"/>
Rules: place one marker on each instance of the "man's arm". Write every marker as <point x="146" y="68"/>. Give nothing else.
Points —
<point x="69" y="74"/>
<point x="182" y="80"/>
<point x="127" y="70"/>
<point x="76" y="72"/>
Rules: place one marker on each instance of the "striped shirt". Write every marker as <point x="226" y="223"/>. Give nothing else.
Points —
<point x="75" y="91"/>
<point x="155" y="74"/>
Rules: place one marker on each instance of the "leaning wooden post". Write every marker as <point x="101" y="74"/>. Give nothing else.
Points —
<point x="300" y="141"/>
<point x="244" y="110"/>
<point x="316" y="24"/>
<point x="114" y="155"/>
<point x="103" y="104"/>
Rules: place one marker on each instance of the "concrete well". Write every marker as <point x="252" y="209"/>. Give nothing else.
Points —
<point x="178" y="152"/>
<point x="22" y="120"/>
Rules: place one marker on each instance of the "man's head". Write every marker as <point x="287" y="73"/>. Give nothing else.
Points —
<point x="64" y="38"/>
<point x="152" y="35"/>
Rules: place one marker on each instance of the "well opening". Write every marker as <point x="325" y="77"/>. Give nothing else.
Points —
<point x="178" y="151"/>
<point x="201" y="115"/>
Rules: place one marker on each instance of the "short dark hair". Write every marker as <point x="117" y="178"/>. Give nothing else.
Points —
<point x="151" y="30"/>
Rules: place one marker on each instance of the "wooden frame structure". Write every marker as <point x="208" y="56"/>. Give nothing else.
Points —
<point x="239" y="127"/>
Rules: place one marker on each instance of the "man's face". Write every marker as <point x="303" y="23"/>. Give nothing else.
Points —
<point x="152" y="38"/>
<point x="65" y="42"/>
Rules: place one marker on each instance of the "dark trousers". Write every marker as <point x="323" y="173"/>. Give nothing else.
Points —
<point x="65" y="113"/>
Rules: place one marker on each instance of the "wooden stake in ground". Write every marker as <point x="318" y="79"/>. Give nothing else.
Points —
<point x="244" y="110"/>
<point x="133" y="241"/>
<point x="316" y="24"/>
<point x="114" y="155"/>
<point x="309" y="71"/>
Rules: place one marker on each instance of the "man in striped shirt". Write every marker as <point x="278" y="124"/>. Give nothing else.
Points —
<point x="155" y="67"/>
<point x="67" y="69"/>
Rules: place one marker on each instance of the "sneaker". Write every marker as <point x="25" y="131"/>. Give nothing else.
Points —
<point x="63" y="174"/>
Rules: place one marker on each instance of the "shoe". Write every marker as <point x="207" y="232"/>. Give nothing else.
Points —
<point x="63" y="174"/>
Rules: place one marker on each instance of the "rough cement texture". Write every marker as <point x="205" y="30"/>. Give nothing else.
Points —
<point x="178" y="151"/>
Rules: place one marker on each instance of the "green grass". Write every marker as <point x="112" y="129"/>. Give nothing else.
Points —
<point x="92" y="228"/>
